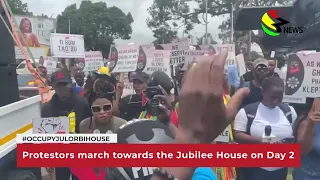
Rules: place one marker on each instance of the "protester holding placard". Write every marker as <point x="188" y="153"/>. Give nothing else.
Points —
<point x="65" y="103"/>
<point x="308" y="136"/>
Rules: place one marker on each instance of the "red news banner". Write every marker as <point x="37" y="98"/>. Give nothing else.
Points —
<point x="158" y="155"/>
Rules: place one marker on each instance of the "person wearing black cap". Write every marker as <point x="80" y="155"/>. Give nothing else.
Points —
<point x="65" y="102"/>
<point x="140" y="80"/>
<point x="131" y="105"/>
<point x="166" y="98"/>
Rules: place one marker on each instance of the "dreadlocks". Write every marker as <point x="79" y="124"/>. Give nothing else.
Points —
<point x="98" y="88"/>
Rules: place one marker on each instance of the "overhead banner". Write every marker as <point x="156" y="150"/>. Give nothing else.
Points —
<point x="67" y="45"/>
<point x="93" y="61"/>
<point x="125" y="58"/>
<point x="303" y="75"/>
<point x="36" y="32"/>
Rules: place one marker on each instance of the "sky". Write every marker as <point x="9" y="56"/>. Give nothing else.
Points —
<point x="138" y="8"/>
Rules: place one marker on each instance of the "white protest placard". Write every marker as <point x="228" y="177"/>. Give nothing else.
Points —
<point x="303" y="75"/>
<point x="51" y="125"/>
<point x="50" y="62"/>
<point x="128" y="89"/>
<point x="217" y="48"/>
<point x="158" y="60"/>
<point x="241" y="64"/>
<point x="67" y="45"/>
<point x="93" y="61"/>
<point x="190" y="56"/>
<point x="125" y="58"/>
<point x="293" y="99"/>
<point x="36" y="52"/>
<point x="178" y="51"/>
<point x="224" y="136"/>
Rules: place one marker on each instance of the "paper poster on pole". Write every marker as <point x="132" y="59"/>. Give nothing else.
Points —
<point x="125" y="58"/>
<point x="50" y="62"/>
<point x="303" y="75"/>
<point x="93" y="61"/>
<point x="67" y="45"/>
<point x="51" y="125"/>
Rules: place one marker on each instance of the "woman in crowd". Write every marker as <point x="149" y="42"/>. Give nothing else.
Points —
<point x="308" y="136"/>
<point x="102" y="120"/>
<point x="250" y="123"/>
<point x="103" y="74"/>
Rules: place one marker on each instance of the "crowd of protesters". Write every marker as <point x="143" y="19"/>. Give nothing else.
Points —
<point x="96" y="105"/>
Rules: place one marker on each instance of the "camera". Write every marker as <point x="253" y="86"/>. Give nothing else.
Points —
<point x="153" y="102"/>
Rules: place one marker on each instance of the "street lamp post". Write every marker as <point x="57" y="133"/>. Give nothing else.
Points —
<point x="206" y="34"/>
<point x="69" y="24"/>
<point x="231" y="30"/>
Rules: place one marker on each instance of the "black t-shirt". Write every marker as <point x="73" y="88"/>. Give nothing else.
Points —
<point x="130" y="107"/>
<point x="255" y="95"/>
<point x="57" y="108"/>
<point x="248" y="76"/>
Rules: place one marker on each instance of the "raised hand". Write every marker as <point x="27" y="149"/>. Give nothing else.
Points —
<point x="202" y="113"/>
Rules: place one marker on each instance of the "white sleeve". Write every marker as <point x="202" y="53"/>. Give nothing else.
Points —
<point x="241" y="121"/>
<point x="293" y="115"/>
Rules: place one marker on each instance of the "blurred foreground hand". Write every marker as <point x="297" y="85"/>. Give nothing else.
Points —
<point x="202" y="113"/>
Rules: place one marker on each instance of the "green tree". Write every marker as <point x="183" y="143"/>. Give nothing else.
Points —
<point x="201" y="39"/>
<point x="99" y="24"/>
<point x="171" y="15"/>
<point x="175" y="14"/>
<point x="19" y="8"/>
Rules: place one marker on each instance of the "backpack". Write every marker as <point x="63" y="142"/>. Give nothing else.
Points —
<point x="251" y="110"/>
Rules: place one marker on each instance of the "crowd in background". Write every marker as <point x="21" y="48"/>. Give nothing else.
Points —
<point x="98" y="107"/>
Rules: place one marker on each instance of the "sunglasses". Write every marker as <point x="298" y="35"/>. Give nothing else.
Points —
<point x="105" y="108"/>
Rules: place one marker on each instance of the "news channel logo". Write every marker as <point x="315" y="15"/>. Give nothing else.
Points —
<point x="272" y="28"/>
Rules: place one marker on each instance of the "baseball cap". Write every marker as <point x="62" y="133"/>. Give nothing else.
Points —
<point x="160" y="78"/>
<point x="141" y="76"/>
<point x="103" y="70"/>
<point x="60" y="76"/>
<point x="260" y="61"/>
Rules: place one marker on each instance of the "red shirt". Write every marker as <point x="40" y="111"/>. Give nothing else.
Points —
<point x="174" y="115"/>
<point x="82" y="92"/>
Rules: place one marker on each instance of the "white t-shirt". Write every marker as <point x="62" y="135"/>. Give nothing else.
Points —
<point x="280" y="125"/>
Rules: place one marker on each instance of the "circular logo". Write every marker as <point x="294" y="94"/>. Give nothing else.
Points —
<point x="267" y="24"/>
